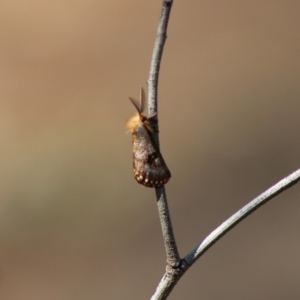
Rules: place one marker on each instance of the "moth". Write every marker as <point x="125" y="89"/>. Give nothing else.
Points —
<point x="149" y="166"/>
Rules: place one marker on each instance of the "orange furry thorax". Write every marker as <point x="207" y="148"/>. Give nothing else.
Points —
<point x="133" y="123"/>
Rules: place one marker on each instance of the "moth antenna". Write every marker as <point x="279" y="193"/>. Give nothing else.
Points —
<point x="142" y="99"/>
<point x="136" y="105"/>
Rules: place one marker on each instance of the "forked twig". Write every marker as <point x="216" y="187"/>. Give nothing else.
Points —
<point x="170" y="279"/>
<point x="176" y="267"/>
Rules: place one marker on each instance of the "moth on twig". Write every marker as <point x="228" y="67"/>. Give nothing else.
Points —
<point x="149" y="166"/>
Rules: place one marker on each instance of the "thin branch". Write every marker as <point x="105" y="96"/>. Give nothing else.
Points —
<point x="248" y="209"/>
<point x="173" y="258"/>
<point x="168" y="282"/>
<point x="161" y="37"/>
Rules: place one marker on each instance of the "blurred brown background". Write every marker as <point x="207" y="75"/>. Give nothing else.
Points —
<point x="74" y="223"/>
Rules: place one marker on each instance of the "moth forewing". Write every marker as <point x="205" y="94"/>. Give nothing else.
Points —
<point x="149" y="166"/>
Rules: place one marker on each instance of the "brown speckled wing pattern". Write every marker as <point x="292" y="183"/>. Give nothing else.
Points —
<point x="149" y="166"/>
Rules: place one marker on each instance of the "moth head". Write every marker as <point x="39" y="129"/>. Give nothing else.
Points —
<point x="139" y="118"/>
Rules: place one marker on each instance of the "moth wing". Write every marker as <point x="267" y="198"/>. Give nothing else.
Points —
<point x="149" y="166"/>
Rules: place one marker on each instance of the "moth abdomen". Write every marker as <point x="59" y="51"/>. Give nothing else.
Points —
<point x="149" y="166"/>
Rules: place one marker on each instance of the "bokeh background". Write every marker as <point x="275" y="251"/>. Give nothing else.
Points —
<point x="74" y="224"/>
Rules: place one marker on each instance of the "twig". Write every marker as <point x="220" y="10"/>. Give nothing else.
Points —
<point x="263" y="198"/>
<point x="168" y="282"/>
<point x="177" y="267"/>
<point x="156" y="56"/>
<point x="173" y="258"/>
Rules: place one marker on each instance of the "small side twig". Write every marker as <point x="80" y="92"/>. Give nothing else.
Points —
<point x="248" y="209"/>
<point x="173" y="258"/>
<point x="166" y="285"/>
